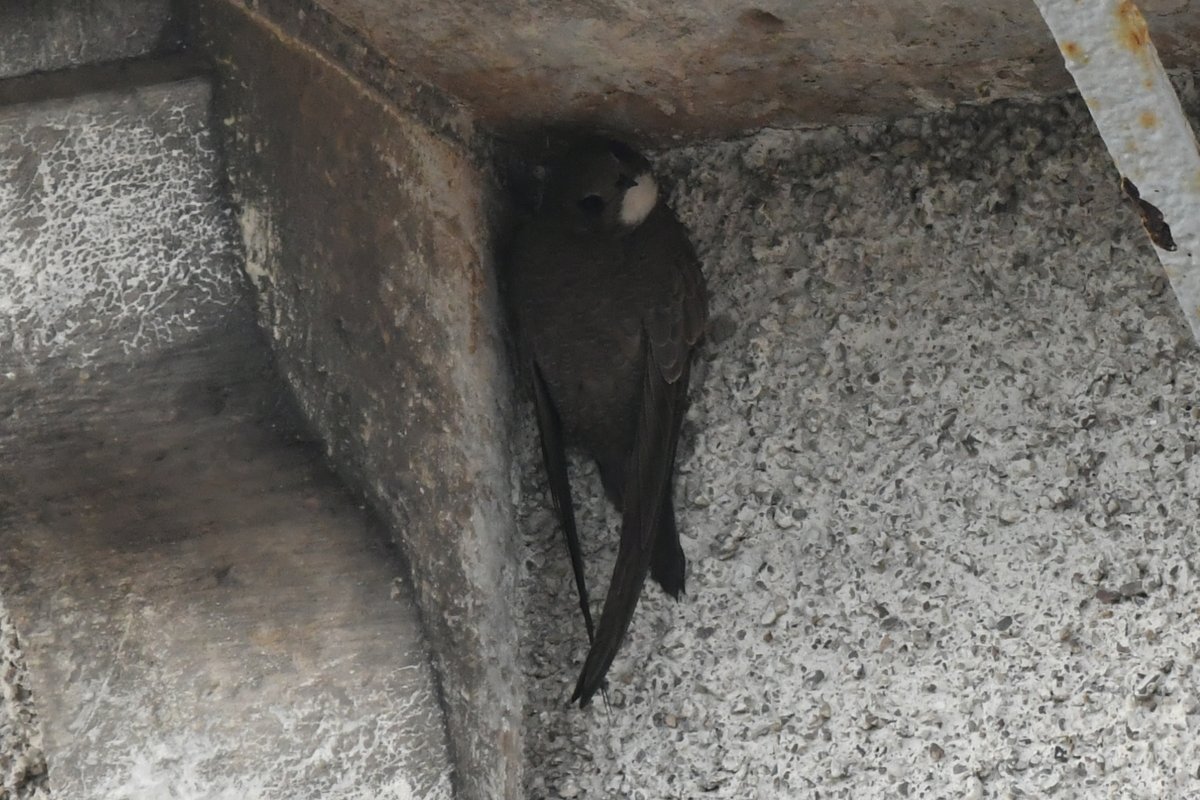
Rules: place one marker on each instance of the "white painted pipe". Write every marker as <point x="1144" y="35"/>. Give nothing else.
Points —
<point x="1108" y="51"/>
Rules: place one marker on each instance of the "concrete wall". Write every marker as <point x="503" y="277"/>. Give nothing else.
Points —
<point x="938" y="487"/>
<point x="367" y="230"/>
<point x="711" y="68"/>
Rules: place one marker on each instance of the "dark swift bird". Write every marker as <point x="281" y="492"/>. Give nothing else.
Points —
<point x="609" y="303"/>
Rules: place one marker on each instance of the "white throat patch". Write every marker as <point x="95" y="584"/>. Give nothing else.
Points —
<point x="639" y="201"/>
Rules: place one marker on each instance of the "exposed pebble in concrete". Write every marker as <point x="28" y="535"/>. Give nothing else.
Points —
<point x="938" y="488"/>
<point x="22" y="763"/>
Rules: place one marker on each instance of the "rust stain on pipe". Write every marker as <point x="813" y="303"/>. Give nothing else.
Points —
<point x="1131" y="28"/>
<point x="1133" y="34"/>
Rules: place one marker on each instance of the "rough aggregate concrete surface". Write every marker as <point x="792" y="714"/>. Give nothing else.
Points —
<point x="22" y="762"/>
<point x="83" y="266"/>
<point x="938" y="488"/>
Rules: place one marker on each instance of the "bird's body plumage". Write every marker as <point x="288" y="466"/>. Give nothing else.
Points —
<point x="608" y="315"/>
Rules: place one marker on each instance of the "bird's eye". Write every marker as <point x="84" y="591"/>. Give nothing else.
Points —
<point x="592" y="204"/>
<point x="625" y="182"/>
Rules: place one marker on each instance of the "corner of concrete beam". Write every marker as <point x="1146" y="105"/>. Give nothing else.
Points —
<point x="369" y="227"/>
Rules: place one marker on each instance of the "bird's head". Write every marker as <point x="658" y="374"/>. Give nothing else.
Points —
<point x="604" y="185"/>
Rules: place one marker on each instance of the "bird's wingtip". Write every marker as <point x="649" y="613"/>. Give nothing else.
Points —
<point x="583" y="692"/>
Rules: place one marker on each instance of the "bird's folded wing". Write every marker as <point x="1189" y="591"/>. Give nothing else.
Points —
<point x="646" y="481"/>
<point x="554" y="454"/>
<point x="676" y="322"/>
<point x="671" y="329"/>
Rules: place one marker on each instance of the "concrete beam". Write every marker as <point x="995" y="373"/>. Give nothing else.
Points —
<point x="665" y="71"/>
<point x="370" y="234"/>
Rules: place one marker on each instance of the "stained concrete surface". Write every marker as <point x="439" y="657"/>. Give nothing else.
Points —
<point x="204" y="610"/>
<point x="938" y="488"/>
<point x="708" y="68"/>
<point x="45" y="35"/>
<point x="369" y="236"/>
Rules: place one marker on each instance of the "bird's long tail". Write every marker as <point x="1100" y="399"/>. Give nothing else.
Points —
<point x="647" y="482"/>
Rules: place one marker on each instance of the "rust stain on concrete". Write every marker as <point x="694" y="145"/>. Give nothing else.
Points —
<point x="1073" y="51"/>
<point x="1132" y="32"/>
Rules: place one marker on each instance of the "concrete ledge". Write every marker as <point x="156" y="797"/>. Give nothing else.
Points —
<point x="44" y="35"/>
<point x="92" y="79"/>
<point x="206" y="612"/>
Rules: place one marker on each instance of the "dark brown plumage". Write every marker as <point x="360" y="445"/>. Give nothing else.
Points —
<point x="609" y="303"/>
